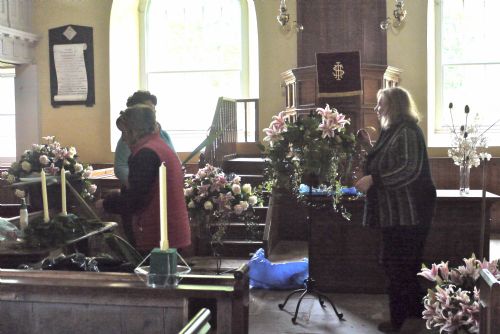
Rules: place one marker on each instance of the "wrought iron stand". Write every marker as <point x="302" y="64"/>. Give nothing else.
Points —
<point x="310" y="283"/>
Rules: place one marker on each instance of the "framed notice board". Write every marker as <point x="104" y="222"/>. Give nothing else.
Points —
<point x="71" y="55"/>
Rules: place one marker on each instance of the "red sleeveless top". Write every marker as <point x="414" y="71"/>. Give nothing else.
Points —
<point x="146" y="222"/>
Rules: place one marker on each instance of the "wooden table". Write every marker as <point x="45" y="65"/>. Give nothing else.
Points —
<point x="345" y="255"/>
<point x="59" y="302"/>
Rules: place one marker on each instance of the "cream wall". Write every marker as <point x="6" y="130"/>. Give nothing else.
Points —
<point x="86" y="128"/>
<point x="277" y="53"/>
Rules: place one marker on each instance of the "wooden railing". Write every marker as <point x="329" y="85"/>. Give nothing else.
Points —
<point x="489" y="303"/>
<point x="225" y="130"/>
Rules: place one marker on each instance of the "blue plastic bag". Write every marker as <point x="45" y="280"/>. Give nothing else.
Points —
<point x="276" y="276"/>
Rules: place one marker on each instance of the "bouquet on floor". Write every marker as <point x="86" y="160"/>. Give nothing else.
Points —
<point x="214" y="199"/>
<point x="50" y="156"/>
<point x="453" y="304"/>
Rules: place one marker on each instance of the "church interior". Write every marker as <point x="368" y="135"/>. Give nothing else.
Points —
<point x="232" y="80"/>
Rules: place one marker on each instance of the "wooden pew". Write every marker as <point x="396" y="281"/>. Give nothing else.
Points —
<point x="489" y="303"/>
<point x="59" y="302"/>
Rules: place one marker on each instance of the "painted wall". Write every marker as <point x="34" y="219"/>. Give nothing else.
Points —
<point x="88" y="128"/>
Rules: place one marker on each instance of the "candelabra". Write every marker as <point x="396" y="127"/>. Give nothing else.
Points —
<point x="284" y="19"/>
<point x="399" y="14"/>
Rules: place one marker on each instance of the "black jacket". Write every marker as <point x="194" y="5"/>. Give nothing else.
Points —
<point x="403" y="192"/>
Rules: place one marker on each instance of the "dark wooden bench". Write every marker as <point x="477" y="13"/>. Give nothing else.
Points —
<point x="59" y="302"/>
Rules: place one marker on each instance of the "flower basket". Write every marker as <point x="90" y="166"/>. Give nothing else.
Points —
<point x="214" y="200"/>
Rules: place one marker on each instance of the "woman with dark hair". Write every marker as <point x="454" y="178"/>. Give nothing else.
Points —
<point x="141" y="198"/>
<point x="400" y="199"/>
<point x="122" y="151"/>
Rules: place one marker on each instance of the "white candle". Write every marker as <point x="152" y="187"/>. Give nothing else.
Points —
<point x="163" y="208"/>
<point x="46" y="217"/>
<point x="64" y="212"/>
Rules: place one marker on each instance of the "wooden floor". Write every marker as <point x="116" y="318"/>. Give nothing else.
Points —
<point x="362" y="312"/>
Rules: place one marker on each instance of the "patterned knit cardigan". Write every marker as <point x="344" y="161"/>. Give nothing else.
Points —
<point x="402" y="192"/>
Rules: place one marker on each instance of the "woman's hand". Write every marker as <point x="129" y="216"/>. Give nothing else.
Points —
<point x="364" y="183"/>
<point x="364" y="137"/>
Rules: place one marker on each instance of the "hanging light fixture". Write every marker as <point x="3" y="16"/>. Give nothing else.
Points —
<point x="399" y="14"/>
<point x="284" y="19"/>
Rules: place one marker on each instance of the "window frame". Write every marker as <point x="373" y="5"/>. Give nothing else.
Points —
<point x="246" y="71"/>
<point x="438" y="133"/>
<point x="10" y="72"/>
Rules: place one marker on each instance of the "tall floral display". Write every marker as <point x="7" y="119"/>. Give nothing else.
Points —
<point x="468" y="146"/>
<point x="452" y="305"/>
<point x="317" y="145"/>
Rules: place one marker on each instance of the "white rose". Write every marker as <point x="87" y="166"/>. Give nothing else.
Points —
<point x="191" y="205"/>
<point x="237" y="179"/>
<point x="26" y="166"/>
<point x="71" y="152"/>
<point x="4" y="175"/>
<point x="78" y="168"/>
<point x="244" y="205"/>
<point x="252" y="200"/>
<point x="87" y="172"/>
<point x="247" y="188"/>
<point x="44" y="160"/>
<point x="236" y="189"/>
<point x="188" y="192"/>
<point x="92" y="188"/>
<point x="208" y="205"/>
<point x="20" y="193"/>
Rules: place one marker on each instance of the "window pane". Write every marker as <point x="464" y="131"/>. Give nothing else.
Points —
<point x="7" y="136"/>
<point x="468" y="28"/>
<point x="7" y="118"/>
<point x="187" y="101"/>
<point x="473" y="85"/>
<point x="193" y="35"/>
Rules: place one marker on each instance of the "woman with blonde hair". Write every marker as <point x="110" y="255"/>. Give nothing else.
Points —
<point x="400" y="200"/>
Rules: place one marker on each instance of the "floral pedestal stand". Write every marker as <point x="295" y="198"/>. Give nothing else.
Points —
<point x="310" y="284"/>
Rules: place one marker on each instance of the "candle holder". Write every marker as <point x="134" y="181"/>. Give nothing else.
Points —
<point x="309" y="282"/>
<point x="164" y="270"/>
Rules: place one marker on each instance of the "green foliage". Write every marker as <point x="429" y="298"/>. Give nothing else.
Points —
<point x="301" y="150"/>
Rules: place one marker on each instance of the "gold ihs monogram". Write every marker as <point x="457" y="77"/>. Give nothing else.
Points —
<point x="338" y="71"/>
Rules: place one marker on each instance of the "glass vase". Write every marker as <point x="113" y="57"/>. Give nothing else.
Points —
<point x="464" y="179"/>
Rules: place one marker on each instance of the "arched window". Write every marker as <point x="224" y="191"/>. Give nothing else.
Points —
<point x="190" y="53"/>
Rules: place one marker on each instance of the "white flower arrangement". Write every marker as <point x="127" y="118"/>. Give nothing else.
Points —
<point x="51" y="157"/>
<point x="212" y="196"/>
<point x="468" y="143"/>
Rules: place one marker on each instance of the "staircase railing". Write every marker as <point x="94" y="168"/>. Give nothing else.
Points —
<point x="225" y="128"/>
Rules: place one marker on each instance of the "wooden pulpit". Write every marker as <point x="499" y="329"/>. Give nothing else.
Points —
<point x="302" y="95"/>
